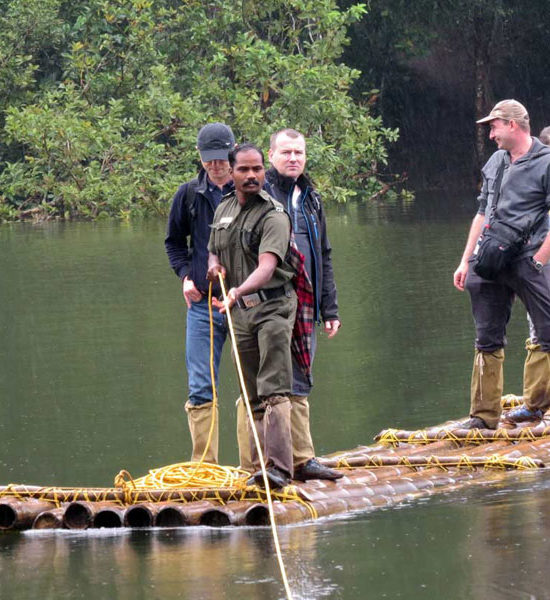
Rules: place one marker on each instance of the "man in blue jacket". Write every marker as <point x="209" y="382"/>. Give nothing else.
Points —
<point x="288" y="184"/>
<point x="186" y="243"/>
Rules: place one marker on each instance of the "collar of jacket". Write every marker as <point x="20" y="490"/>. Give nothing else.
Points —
<point x="202" y="188"/>
<point x="284" y="182"/>
<point x="204" y="183"/>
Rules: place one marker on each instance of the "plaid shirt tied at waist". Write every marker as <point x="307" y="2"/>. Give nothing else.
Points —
<point x="303" y="326"/>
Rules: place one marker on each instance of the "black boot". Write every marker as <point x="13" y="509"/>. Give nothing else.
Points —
<point x="475" y="423"/>
<point x="313" y="469"/>
<point x="277" y="479"/>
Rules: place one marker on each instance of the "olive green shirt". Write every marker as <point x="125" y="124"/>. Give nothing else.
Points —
<point x="240" y="234"/>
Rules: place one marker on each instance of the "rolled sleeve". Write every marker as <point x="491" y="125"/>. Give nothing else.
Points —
<point x="211" y="245"/>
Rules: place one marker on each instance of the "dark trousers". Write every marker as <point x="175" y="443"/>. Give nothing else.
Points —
<point x="492" y="303"/>
<point x="263" y="339"/>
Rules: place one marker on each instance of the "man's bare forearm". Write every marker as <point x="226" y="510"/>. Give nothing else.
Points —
<point x="262" y="274"/>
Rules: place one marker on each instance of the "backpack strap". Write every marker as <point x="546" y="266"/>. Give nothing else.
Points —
<point x="248" y="238"/>
<point x="496" y="191"/>
<point x="250" y="245"/>
<point x="190" y="196"/>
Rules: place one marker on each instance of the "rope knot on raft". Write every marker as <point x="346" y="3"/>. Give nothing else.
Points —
<point x="123" y="479"/>
<point x="396" y="437"/>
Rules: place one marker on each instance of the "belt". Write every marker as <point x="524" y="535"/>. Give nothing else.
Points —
<point x="252" y="300"/>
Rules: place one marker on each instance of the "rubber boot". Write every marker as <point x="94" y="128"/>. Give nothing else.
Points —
<point x="243" y="437"/>
<point x="486" y="387"/>
<point x="302" y="444"/>
<point x="200" y="420"/>
<point x="536" y="378"/>
<point x="272" y="420"/>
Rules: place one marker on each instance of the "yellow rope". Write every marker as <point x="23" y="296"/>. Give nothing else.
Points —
<point x="212" y="376"/>
<point x="395" y="437"/>
<point x="495" y="461"/>
<point x="185" y="475"/>
<point x="256" y="440"/>
<point x="511" y="401"/>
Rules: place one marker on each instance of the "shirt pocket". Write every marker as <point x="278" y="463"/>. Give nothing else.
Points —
<point x="222" y="235"/>
<point x="250" y="240"/>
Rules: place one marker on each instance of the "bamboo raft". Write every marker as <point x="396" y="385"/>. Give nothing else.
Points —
<point x="399" y="467"/>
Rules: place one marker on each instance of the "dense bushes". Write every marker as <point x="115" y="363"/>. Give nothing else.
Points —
<point x="101" y="100"/>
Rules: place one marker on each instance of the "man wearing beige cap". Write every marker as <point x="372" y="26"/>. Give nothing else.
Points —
<point x="515" y="195"/>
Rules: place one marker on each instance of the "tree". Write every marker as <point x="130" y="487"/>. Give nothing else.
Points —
<point x="432" y="67"/>
<point x="116" y="134"/>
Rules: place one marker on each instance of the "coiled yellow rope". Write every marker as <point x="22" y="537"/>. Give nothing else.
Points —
<point x="185" y="475"/>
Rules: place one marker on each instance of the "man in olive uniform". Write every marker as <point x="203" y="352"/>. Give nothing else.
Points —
<point x="287" y="183"/>
<point x="248" y="246"/>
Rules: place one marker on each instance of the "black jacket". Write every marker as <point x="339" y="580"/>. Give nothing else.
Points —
<point x="324" y="288"/>
<point x="191" y="260"/>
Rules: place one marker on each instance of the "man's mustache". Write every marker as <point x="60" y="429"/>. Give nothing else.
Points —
<point x="251" y="182"/>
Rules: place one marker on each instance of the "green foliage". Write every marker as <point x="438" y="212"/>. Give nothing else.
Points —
<point x="114" y="132"/>
<point x="28" y="33"/>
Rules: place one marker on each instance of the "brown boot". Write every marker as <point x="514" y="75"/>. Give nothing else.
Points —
<point x="536" y="378"/>
<point x="277" y="479"/>
<point x="200" y="420"/>
<point x="272" y="420"/>
<point x="302" y="444"/>
<point x="306" y="466"/>
<point x="486" y="386"/>
<point x="243" y="437"/>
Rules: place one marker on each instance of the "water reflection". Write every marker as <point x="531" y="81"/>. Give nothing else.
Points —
<point x="510" y="538"/>
<point x="186" y="563"/>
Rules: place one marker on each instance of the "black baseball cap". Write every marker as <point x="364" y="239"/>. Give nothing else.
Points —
<point x="214" y="141"/>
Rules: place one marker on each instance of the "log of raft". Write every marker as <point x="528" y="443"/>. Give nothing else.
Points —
<point x="81" y="515"/>
<point x="20" y="513"/>
<point x="401" y="466"/>
<point x="49" y="519"/>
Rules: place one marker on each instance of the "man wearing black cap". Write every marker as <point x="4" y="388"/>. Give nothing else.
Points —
<point x="190" y="217"/>
<point x="515" y="196"/>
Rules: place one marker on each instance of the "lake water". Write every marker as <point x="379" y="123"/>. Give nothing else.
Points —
<point x="92" y="381"/>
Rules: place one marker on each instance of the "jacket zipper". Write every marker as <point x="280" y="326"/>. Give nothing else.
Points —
<point x="313" y="253"/>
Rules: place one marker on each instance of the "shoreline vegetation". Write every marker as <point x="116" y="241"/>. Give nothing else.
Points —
<point x="102" y="100"/>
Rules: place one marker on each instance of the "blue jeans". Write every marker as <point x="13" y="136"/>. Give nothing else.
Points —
<point x="197" y="350"/>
